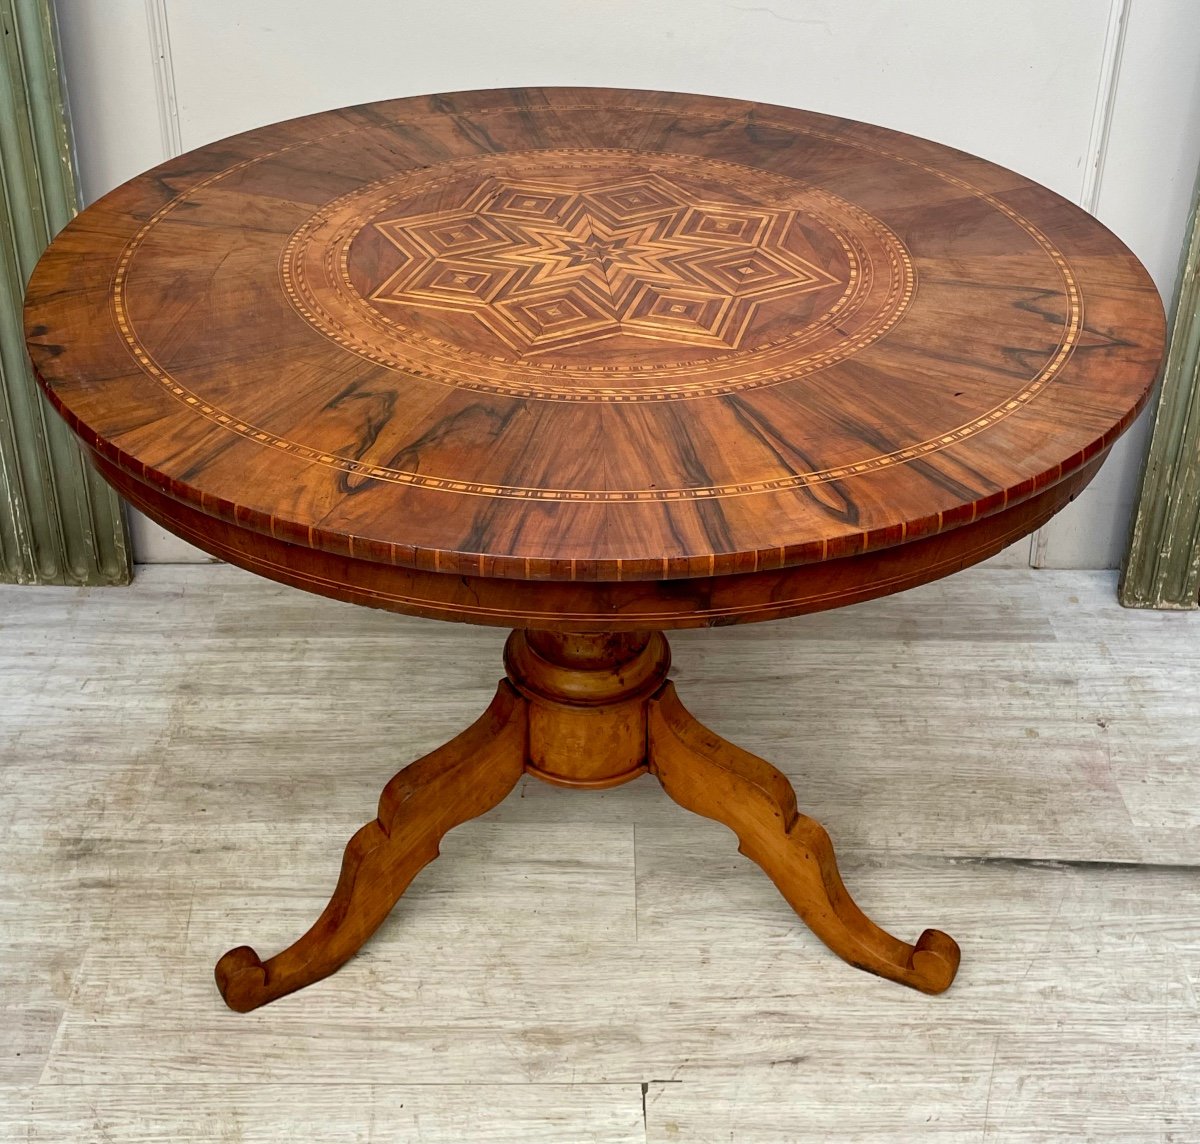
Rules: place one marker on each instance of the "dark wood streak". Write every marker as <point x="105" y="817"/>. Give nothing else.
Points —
<point x="196" y="468"/>
<point x="697" y="474"/>
<point x="420" y="142"/>
<point x="476" y="134"/>
<point x="477" y="424"/>
<point x="831" y="498"/>
<point x="1030" y="305"/>
<point x="928" y="468"/>
<point x="483" y="527"/>
<point x="531" y="125"/>
<point x="376" y="407"/>
<point x="1100" y="341"/>
<point x="766" y="135"/>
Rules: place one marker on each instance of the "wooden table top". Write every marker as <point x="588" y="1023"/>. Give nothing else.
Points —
<point x="591" y="335"/>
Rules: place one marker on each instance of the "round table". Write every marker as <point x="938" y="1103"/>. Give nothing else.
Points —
<point x="591" y="364"/>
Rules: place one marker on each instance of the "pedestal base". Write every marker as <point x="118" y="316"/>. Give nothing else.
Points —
<point x="588" y="711"/>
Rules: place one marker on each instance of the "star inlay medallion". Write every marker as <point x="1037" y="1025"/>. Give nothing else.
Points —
<point x="543" y="268"/>
<point x="583" y="275"/>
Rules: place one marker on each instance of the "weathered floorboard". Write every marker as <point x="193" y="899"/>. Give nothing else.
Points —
<point x="1010" y="759"/>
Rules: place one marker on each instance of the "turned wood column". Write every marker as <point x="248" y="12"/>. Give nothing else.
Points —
<point x="588" y="697"/>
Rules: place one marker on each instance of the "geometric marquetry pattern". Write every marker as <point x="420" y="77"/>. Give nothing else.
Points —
<point x="546" y="267"/>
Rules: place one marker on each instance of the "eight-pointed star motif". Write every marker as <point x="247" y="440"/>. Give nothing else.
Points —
<point x="545" y="267"/>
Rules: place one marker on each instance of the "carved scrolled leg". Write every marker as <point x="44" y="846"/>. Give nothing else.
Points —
<point x="459" y="781"/>
<point x="709" y="776"/>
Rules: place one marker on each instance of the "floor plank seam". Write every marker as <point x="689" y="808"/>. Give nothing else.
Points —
<point x="1090" y="864"/>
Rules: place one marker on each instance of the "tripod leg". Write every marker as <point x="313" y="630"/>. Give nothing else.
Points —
<point x="459" y="781"/>
<point x="709" y="776"/>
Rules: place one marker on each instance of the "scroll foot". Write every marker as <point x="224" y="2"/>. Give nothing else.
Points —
<point x="711" y="777"/>
<point x="459" y="781"/>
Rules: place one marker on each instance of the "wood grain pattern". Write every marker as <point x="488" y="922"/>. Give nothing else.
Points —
<point x="337" y="1113"/>
<point x="700" y="601"/>
<point x="589" y="336"/>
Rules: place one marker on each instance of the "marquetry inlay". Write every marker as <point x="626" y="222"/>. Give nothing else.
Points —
<point x="545" y="268"/>
<point x="568" y="275"/>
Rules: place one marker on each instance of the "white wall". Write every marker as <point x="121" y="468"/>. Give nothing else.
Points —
<point x="1098" y="99"/>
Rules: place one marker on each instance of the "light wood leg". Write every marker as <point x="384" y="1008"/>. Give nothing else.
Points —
<point x="707" y="775"/>
<point x="459" y="781"/>
<point x="589" y="712"/>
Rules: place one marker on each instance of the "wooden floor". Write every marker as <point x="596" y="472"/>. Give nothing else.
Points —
<point x="1006" y="755"/>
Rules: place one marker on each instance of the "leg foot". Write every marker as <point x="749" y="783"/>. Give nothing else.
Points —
<point x="459" y="781"/>
<point x="711" y="777"/>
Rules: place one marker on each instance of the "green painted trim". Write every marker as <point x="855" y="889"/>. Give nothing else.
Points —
<point x="1162" y="568"/>
<point x="59" y="522"/>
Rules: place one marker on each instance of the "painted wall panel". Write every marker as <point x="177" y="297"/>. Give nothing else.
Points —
<point x="990" y="78"/>
<point x="1145" y="195"/>
<point x="109" y="63"/>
